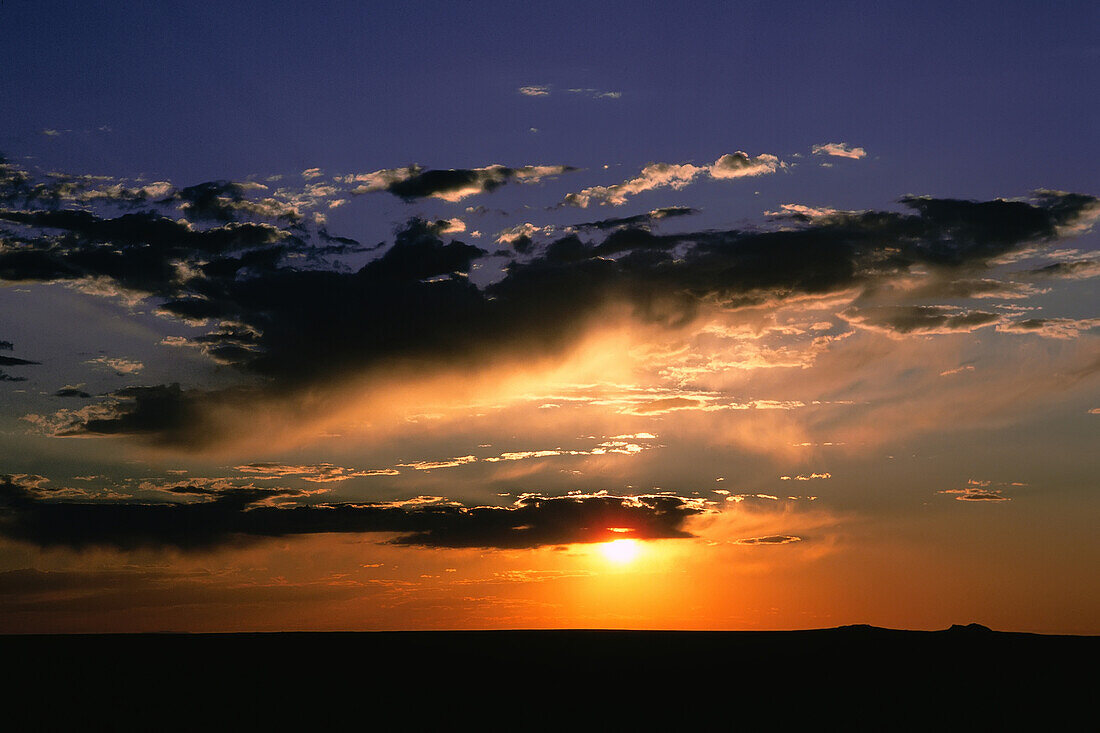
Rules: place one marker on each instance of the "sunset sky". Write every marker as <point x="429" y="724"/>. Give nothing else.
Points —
<point x="746" y="315"/>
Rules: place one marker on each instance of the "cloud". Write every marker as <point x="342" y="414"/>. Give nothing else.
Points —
<point x="236" y="514"/>
<point x="1059" y="328"/>
<point x="976" y="494"/>
<point x="453" y="225"/>
<point x="432" y="465"/>
<point x="983" y="490"/>
<point x="520" y="235"/>
<point x="922" y="319"/>
<point x="1073" y="270"/>
<point x="594" y="93"/>
<point x="119" y="365"/>
<point x="313" y="472"/>
<point x="71" y="390"/>
<point x="10" y="361"/>
<point x="291" y="324"/>
<point x="801" y="212"/>
<point x="779" y="539"/>
<point x="545" y="90"/>
<point x="676" y="177"/>
<point x="413" y="182"/>
<point x="839" y="150"/>
<point x="639" y="220"/>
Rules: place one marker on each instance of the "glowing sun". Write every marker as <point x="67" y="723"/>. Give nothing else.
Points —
<point x="620" y="551"/>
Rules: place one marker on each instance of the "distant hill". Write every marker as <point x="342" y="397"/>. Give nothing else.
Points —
<point x="850" y="678"/>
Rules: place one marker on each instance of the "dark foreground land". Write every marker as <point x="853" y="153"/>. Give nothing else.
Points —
<point x="850" y="678"/>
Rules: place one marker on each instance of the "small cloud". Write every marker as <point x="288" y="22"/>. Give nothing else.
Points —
<point x="594" y="93"/>
<point x="802" y="212"/>
<point x="1057" y="328"/>
<point x="450" y="226"/>
<point x="72" y="390"/>
<point x="676" y="177"/>
<point x="919" y="319"/>
<point x="839" y="150"/>
<point x="314" y="472"/>
<point x="311" y="173"/>
<point x="122" y="367"/>
<point x="982" y="490"/>
<point x="451" y="185"/>
<point x="778" y="539"/>
<point x="542" y="90"/>
<point x="430" y="465"/>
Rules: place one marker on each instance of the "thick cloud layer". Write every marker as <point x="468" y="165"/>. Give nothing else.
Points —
<point x="233" y="515"/>
<point x="297" y="321"/>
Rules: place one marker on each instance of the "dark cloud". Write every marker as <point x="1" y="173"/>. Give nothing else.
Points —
<point x="452" y="184"/>
<point x="220" y="201"/>
<point x="166" y="411"/>
<point x="300" y="321"/>
<point x="1077" y="269"/>
<point x="10" y="361"/>
<point x="973" y="288"/>
<point x="920" y="318"/>
<point x="72" y="392"/>
<point x="236" y="514"/>
<point x="639" y="219"/>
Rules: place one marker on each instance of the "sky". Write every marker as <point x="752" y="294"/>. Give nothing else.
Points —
<point x="746" y="315"/>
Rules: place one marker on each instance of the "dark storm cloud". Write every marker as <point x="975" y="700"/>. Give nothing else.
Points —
<point x="236" y="514"/>
<point x="299" y="321"/>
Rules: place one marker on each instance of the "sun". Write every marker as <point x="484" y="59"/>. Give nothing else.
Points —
<point x="620" y="551"/>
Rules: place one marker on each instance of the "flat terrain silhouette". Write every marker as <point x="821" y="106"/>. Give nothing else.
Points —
<point x="854" y="677"/>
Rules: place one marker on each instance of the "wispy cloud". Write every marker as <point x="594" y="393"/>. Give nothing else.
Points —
<point x="839" y="150"/>
<point x="545" y="90"/>
<point x="676" y="177"/>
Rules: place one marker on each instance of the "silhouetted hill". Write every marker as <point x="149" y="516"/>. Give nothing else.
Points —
<point x="852" y="678"/>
